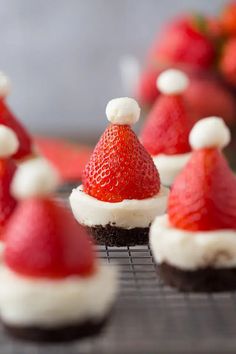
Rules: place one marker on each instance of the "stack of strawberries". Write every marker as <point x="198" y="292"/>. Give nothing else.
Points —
<point x="205" y="48"/>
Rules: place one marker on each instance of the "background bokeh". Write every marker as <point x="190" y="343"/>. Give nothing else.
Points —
<point x="64" y="56"/>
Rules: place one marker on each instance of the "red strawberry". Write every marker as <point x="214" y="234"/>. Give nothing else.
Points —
<point x="183" y="43"/>
<point x="169" y="122"/>
<point x="7" y="202"/>
<point x="69" y="159"/>
<point x="214" y="28"/>
<point x="228" y="61"/>
<point x="146" y="90"/>
<point x="9" y="120"/>
<point x="204" y="194"/>
<point x="167" y="127"/>
<point x="228" y="19"/>
<point x="44" y="240"/>
<point x="208" y="97"/>
<point x="120" y="168"/>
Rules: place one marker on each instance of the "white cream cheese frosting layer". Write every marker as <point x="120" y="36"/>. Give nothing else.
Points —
<point x="189" y="250"/>
<point x="26" y="301"/>
<point x="127" y="214"/>
<point x="169" y="166"/>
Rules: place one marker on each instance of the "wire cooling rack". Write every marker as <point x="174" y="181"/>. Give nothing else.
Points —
<point x="149" y="317"/>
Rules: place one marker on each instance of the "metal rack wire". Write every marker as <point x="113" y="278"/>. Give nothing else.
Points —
<point x="150" y="317"/>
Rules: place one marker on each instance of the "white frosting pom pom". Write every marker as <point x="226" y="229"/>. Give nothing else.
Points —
<point x="172" y="82"/>
<point x="9" y="143"/>
<point x="5" y="85"/>
<point x="122" y="111"/>
<point x="209" y="132"/>
<point x="34" y="178"/>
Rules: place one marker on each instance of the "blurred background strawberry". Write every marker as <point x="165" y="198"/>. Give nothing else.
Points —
<point x="184" y="42"/>
<point x="205" y="48"/>
<point x="228" y="60"/>
<point x="68" y="158"/>
<point x="227" y="19"/>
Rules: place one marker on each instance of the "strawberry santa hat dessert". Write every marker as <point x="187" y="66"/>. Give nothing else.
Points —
<point x="54" y="288"/>
<point x="8" y="146"/>
<point x="195" y="243"/>
<point x="7" y="118"/>
<point x="121" y="192"/>
<point x="166" y="131"/>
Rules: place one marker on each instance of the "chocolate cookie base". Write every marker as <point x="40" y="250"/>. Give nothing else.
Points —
<point x="201" y="280"/>
<point x="55" y="335"/>
<point x="116" y="236"/>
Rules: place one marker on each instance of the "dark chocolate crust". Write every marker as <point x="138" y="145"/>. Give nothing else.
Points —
<point x="116" y="236"/>
<point x="201" y="280"/>
<point x="54" y="335"/>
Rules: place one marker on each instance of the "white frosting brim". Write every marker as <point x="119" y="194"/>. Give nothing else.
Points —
<point x="46" y="303"/>
<point x="169" y="166"/>
<point x="189" y="250"/>
<point x="127" y="214"/>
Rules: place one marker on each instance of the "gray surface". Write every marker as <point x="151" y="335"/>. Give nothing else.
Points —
<point x="63" y="55"/>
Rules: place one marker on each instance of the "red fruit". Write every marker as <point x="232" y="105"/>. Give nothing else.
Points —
<point x="69" y="159"/>
<point x="8" y="119"/>
<point x="120" y="168"/>
<point x="203" y="197"/>
<point x="228" y="61"/>
<point x="182" y="43"/>
<point x="214" y="28"/>
<point x="228" y="19"/>
<point x="7" y="202"/>
<point x="146" y="90"/>
<point x="167" y="127"/>
<point x="208" y="97"/>
<point x="44" y="240"/>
